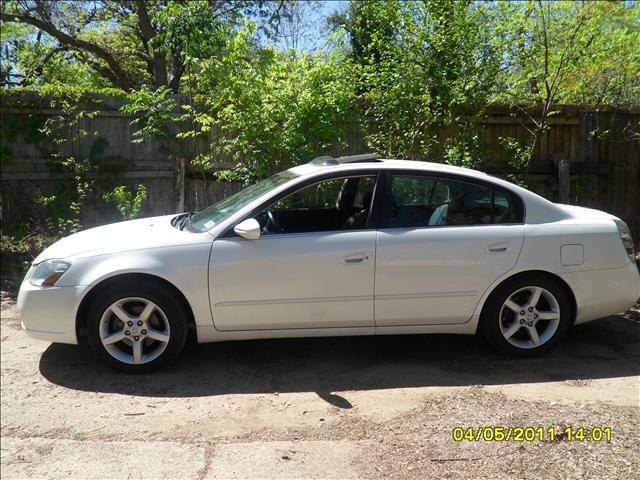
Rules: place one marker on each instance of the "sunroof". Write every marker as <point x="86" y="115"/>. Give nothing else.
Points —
<point x="366" y="157"/>
<point x="324" y="161"/>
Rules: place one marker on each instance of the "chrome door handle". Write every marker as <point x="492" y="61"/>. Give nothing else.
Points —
<point x="497" y="248"/>
<point x="356" y="259"/>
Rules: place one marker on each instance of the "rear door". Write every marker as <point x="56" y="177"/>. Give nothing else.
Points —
<point x="443" y="240"/>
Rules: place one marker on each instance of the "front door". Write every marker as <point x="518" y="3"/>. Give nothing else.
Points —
<point x="444" y="241"/>
<point x="312" y="267"/>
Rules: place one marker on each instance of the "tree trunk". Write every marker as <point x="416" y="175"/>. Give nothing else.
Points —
<point x="180" y="184"/>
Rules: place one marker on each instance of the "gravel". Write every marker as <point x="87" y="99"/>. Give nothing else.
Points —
<point x="363" y="407"/>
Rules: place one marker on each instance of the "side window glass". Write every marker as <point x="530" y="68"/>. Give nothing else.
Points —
<point x="335" y="204"/>
<point x="412" y="191"/>
<point x="505" y="207"/>
<point x="420" y="201"/>
<point x="364" y="194"/>
<point x="317" y="196"/>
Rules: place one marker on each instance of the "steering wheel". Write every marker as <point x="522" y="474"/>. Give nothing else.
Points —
<point x="272" y="223"/>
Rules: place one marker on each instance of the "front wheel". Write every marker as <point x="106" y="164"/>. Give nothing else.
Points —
<point x="526" y="316"/>
<point x="137" y="329"/>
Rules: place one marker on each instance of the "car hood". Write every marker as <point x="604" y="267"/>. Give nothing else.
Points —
<point x="153" y="232"/>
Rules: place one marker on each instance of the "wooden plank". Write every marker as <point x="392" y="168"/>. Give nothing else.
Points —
<point x="49" y="176"/>
<point x="522" y="121"/>
<point x="606" y="168"/>
<point x="549" y="168"/>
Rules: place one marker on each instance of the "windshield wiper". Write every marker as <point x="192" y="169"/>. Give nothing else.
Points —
<point x="185" y="220"/>
<point x="177" y="219"/>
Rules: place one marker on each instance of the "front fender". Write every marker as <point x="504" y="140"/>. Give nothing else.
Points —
<point x="185" y="267"/>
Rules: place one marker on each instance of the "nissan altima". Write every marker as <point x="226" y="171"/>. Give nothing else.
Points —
<point x="341" y="246"/>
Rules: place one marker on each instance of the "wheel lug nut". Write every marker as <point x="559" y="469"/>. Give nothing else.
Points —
<point x="139" y="323"/>
<point x="136" y="338"/>
<point x="127" y="332"/>
<point x="530" y="324"/>
<point x="522" y="320"/>
<point x="144" y="332"/>
<point x="521" y="312"/>
<point x="531" y="309"/>
<point x="535" y="315"/>
<point x="130" y="323"/>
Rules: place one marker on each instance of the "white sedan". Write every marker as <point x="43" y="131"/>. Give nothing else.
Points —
<point x="347" y="246"/>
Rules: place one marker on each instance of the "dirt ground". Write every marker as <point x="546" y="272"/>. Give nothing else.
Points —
<point x="339" y="408"/>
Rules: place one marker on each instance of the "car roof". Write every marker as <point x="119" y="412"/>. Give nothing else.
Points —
<point x="324" y="164"/>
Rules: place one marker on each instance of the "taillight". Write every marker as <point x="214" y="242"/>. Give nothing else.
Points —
<point x="627" y="239"/>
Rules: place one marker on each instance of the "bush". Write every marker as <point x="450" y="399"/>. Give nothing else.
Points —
<point x="128" y="204"/>
<point x="16" y="255"/>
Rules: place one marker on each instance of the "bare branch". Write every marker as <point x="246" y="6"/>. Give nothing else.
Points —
<point x="100" y="69"/>
<point x="37" y="69"/>
<point x="119" y="77"/>
<point x="159" y="63"/>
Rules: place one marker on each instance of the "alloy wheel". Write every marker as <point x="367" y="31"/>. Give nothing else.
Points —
<point x="134" y="330"/>
<point x="529" y="317"/>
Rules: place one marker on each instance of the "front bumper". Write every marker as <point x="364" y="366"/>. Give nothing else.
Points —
<point x="49" y="313"/>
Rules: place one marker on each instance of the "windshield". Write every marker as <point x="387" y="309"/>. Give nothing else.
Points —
<point x="205" y="219"/>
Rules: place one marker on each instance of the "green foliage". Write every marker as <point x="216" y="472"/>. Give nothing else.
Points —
<point x="129" y="205"/>
<point x="124" y="44"/>
<point x="58" y="213"/>
<point x="264" y="110"/>
<point x="31" y="59"/>
<point x="425" y="68"/>
<point x="64" y="207"/>
<point x="519" y="153"/>
<point x="28" y="126"/>
<point x="193" y="27"/>
<point x="565" y="52"/>
<point x="153" y="110"/>
<point x="371" y="27"/>
<point x="416" y="75"/>
<point x="16" y="254"/>
<point x="569" y="52"/>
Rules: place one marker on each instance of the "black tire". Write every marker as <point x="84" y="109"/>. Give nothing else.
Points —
<point x="491" y="321"/>
<point x="162" y="297"/>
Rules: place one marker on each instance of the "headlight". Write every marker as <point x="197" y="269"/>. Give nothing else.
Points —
<point x="48" y="272"/>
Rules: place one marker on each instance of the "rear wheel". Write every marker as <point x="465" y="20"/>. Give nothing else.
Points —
<point x="137" y="329"/>
<point x="526" y="316"/>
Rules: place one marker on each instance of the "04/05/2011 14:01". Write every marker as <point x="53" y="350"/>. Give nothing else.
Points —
<point x="531" y="434"/>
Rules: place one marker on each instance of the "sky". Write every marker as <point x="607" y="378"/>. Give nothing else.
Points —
<point x="315" y="29"/>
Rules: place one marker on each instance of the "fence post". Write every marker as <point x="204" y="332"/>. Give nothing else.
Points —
<point x="564" y="181"/>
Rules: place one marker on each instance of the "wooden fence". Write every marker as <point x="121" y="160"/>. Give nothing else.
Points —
<point x="602" y="149"/>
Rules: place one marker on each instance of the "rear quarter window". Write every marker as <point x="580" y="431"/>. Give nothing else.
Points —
<point x="507" y="207"/>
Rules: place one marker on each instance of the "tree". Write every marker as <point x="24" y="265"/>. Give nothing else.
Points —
<point x="370" y="26"/>
<point x="261" y="110"/>
<point x="424" y="69"/>
<point x="607" y="71"/>
<point x="571" y="52"/>
<point x="134" y="42"/>
<point x="293" y="25"/>
<point x="566" y="52"/>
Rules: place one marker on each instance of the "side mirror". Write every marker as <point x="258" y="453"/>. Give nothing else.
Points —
<point x="249" y="229"/>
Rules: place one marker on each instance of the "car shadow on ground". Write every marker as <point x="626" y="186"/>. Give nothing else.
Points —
<point x="602" y="349"/>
